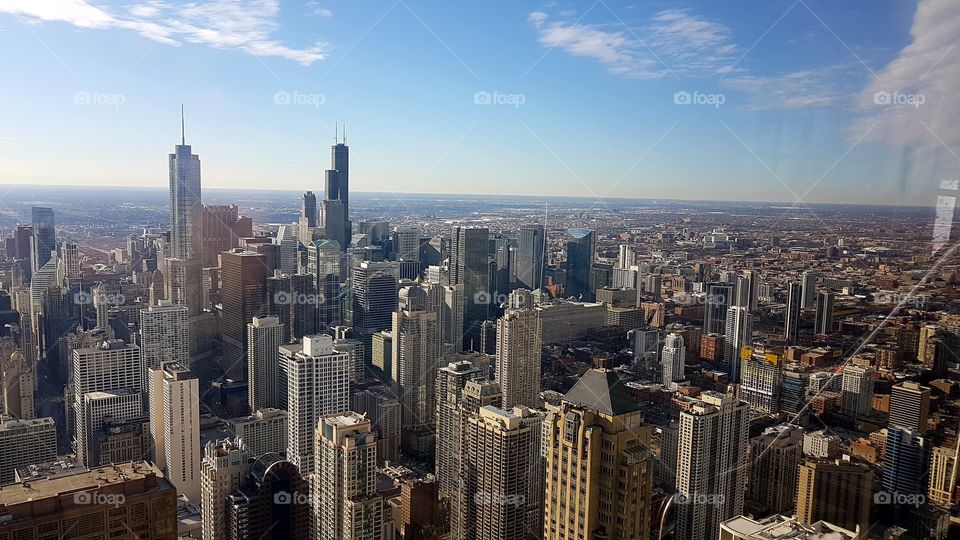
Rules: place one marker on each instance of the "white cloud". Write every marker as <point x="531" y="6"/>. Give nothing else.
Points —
<point x="316" y="9"/>
<point x="929" y="67"/>
<point x="244" y="25"/>
<point x="672" y="42"/>
<point x="792" y="90"/>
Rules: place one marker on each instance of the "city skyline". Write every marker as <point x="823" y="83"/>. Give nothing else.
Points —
<point x="799" y="120"/>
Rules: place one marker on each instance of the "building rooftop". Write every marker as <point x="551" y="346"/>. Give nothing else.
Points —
<point x="75" y="479"/>
<point x="602" y="391"/>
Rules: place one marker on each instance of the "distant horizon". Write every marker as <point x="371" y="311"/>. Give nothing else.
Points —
<point x="479" y="195"/>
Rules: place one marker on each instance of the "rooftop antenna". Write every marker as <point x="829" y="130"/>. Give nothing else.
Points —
<point x="183" y="133"/>
<point x="344" y="133"/>
<point x="336" y="132"/>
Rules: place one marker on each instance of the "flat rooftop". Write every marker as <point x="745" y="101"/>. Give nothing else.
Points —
<point x="81" y="479"/>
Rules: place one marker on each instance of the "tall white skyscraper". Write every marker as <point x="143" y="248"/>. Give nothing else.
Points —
<point x="287" y="239"/>
<point x="111" y="366"/>
<point x="451" y="318"/>
<point x="739" y="331"/>
<point x="264" y="336"/>
<point x="318" y="384"/>
<point x="673" y="358"/>
<point x="451" y="413"/>
<point x="164" y="334"/>
<point x="712" y="464"/>
<point x="224" y="468"/>
<point x="186" y="220"/>
<point x="518" y="352"/>
<point x="345" y="498"/>
<point x="175" y="426"/>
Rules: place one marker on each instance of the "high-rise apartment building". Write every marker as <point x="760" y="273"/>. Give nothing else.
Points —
<point x="382" y="407"/>
<point x="774" y="458"/>
<point x="164" y="334"/>
<point x="581" y="246"/>
<point x="910" y="406"/>
<point x="416" y="358"/>
<point x="761" y="381"/>
<point x="271" y="502"/>
<point x="264" y="338"/>
<point x="450" y="415"/>
<point x="264" y="431"/>
<point x="345" y="498"/>
<point x="318" y="384"/>
<point x="857" y="390"/>
<point x="711" y="464"/>
<point x="792" y="316"/>
<point x="718" y="300"/>
<point x="44" y="239"/>
<point x="808" y="283"/>
<point x="501" y="501"/>
<point x="243" y="277"/>
<point x="738" y="333"/>
<point x="673" y="359"/>
<point x="175" y="426"/>
<point x="518" y="353"/>
<point x="223" y="227"/>
<point x="225" y="466"/>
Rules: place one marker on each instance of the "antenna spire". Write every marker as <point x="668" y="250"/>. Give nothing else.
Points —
<point x="336" y="132"/>
<point x="183" y="131"/>
<point x="344" y="133"/>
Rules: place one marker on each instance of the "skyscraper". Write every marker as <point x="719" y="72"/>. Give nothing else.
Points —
<point x="531" y="246"/>
<point x="308" y="209"/>
<point x="318" y="383"/>
<point x="502" y="501"/>
<point x="719" y="299"/>
<point x="711" y="464"/>
<point x="450" y="414"/>
<point x="673" y="359"/>
<point x="910" y="406"/>
<point x="25" y="442"/>
<point x="264" y="336"/>
<point x="468" y="267"/>
<point x="225" y="465"/>
<point x="737" y="335"/>
<point x="823" y="322"/>
<point x="792" y="316"/>
<point x="581" y="246"/>
<point x="416" y="358"/>
<point x="345" y="498"/>
<point x="774" y="458"/>
<point x="164" y="334"/>
<point x="838" y="492"/>
<point x="336" y="195"/>
<point x="857" y="390"/>
<point x="186" y="219"/>
<point x="175" y="426"/>
<point x="586" y="495"/>
<point x="243" y="296"/>
<point x="518" y="352"/>
<point x="808" y="296"/>
<point x="271" y="502"/>
<point x="44" y="239"/>
<point x="374" y="297"/>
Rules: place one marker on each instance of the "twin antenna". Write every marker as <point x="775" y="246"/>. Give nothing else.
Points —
<point x="336" y="133"/>
<point x="183" y="131"/>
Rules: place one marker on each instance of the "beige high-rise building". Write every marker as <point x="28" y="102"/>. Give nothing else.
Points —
<point x="175" y="426"/>
<point x="344" y="487"/>
<point x="224" y="467"/>
<point x="262" y="432"/>
<point x="451" y="381"/>
<point x="19" y="380"/>
<point x="599" y="471"/>
<point x="502" y="473"/>
<point x="518" y="352"/>
<point x="943" y="475"/>
<point x="416" y="358"/>
<point x="835" y="491"/>
<point x="774" y="458"/>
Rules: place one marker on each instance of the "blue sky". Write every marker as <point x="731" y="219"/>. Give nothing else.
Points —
<point x="583" y="96"/>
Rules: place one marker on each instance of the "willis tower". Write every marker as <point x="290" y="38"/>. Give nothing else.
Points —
<point x="336" y="195"/>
